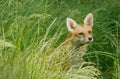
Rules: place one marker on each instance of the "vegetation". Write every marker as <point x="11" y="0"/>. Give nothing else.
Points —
<point x="31" y="31"/>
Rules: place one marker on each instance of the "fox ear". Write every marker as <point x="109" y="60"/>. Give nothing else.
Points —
<point x="89" y="20"/>
<point x="71" y="24"/>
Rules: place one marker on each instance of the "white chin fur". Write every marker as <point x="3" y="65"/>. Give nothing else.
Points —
<point x="82" y="40"/>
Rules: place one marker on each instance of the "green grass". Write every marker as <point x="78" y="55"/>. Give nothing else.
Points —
<point x="30" y="32"/>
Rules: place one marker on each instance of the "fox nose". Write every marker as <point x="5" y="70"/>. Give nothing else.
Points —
<point x="90" y="38"/>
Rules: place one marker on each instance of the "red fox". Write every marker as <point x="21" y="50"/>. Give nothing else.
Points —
<point x="81" y="36"/>
<point x="70" y="52"/>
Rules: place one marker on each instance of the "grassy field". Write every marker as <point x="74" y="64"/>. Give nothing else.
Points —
<point x="31" y="30"/>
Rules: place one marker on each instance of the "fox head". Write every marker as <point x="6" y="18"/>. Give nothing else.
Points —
<point x="81" y="32"/>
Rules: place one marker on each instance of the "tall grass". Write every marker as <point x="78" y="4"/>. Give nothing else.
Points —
<point x="31" y="31"/>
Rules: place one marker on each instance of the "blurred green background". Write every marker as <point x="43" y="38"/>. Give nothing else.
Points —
<point x="24" y="24"/>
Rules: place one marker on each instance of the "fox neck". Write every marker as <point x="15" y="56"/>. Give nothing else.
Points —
<point x="77" y="43"/>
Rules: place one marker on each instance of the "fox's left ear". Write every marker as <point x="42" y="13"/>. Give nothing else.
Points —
<point x="89" y="20"/>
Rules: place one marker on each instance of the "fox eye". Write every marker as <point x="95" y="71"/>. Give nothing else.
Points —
<point x="89" y="32"/>
<point x="81" y="33"/>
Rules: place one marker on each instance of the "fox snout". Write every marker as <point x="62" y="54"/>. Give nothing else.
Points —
<point x="83" y="40"/>
<point x="90" y="39"/>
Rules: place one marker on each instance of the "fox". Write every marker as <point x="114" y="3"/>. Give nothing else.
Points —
<point x="73" y="48"/>
<point x="81" y="37"/>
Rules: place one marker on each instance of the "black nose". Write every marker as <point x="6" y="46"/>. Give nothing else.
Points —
<point x="90" y="38"/>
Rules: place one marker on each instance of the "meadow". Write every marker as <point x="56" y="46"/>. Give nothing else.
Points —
<point x="31" y="31"/>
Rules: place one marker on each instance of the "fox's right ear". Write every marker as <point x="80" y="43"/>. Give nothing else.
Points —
<point x="71" y="24"/>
